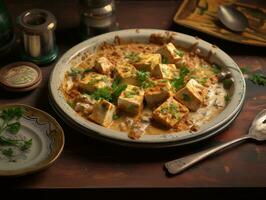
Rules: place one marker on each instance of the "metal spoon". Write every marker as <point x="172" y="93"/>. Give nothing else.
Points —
<point x="232" y="18"/>
<point x="257" y="132"/>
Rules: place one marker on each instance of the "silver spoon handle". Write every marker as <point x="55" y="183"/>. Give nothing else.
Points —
<point x="179" y="165"/>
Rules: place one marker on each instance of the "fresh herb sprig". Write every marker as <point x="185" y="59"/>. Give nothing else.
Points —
<point x="257" y="78"/>
<point x="9" y="121"/>
<point x="110" y="93"/>
<point x="144" y="79"/>
<point x="133" y="57"/>
<point x="179" y="82"/>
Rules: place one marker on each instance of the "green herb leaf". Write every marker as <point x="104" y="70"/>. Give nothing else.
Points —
<point x="102" y="93"/>
<point x="227" y="98"/>
<point x="179" y="53"/>
<point x="75" y="71"/>
<point x="244" y="70"/>
<point x="258" y="79"/>
<point x="179" y="82"/>
<point x="227" y="83"/>
<point x="133" y="57"/>
<point x="26" y="145"/>
<point x="116" y="117"/>
<point x="144" y="79"/>
<point x="118" y="90"/>
<point x="12" y="113"/>
<point x="14" y="127"/>
<point x="71" y="104"/>
<point x="203" y="80"/>
<point x="7" y="152"/>
<point x="7" y="141"/>
<point x="164" y="60"/>
<point x="184" y="71"/>
<point x="216" y="68"/>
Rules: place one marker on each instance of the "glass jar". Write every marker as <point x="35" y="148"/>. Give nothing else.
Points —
<point x="97" y="17"/>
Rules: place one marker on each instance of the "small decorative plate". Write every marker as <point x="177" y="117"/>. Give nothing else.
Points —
<point x="201" y="15"/>
<point x="20" y="76"/>
<point x="31" y="146"/>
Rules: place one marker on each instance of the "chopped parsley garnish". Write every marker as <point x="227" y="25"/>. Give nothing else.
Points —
<point x="7" y="152"/>
<point x="117" y="88"/>
<point x="129" y="94"/>
<point x="164" y="60"/>
<point x="245" y="70"/>
<point x="179" y="53"/>
<point x="179" y="82"/>
<point x="132" y="57"/>
<point x="186" y="97"/>
<point x="144" y="79"/>
<point x="110" y="94"/>
<point x="227" y="83"/>
<point x="172" y="109"/>
<point x="71" y="103"/>
<point x="203" y="80"/>
<point x="216" y="68"/>
<point x="27" y="144"/>
<point x="102" y="93"/>
<point x="9" y="121"/>
<point x="116" y="117"/>
<point x="13" y="127"/>
<point x="256" y="78"/>
<point x="227" y="98"/>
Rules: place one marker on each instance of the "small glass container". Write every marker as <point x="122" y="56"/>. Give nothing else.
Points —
<point x="97" y="17"/>
<point x="37" y="33"/>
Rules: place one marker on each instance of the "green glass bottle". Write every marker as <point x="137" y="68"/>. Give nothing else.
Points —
<point x="6" y="30"/>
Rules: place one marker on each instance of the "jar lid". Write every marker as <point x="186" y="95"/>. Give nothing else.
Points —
<point x="20" y="76"/>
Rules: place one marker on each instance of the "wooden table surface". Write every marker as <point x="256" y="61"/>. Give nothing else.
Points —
<point x="87" y="163"/>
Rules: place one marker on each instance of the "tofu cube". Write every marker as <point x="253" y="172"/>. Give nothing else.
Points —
<point x="131" y="100"/>
<point x="165" y="71"/>
<point x="192" y="95"/>
<point x="127" y="73"/>
<point x="103" y="66"/>
<point x="169" y="52"/>
<point x="93" y="81"/>
<point x="102" y="113"/>
<point x="147" y="61"/>
<point x="158" y="94"/>
<point x="170" y="112"/>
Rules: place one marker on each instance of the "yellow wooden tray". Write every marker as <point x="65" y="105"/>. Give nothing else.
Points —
<point x="201" y="15"/>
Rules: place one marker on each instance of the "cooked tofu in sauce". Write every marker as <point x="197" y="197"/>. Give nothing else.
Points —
<point x="145" y="88"/>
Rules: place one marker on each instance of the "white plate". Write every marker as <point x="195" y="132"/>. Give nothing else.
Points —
<point x="142" y="35"/>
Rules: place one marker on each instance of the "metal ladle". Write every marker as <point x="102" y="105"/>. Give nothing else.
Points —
<point x="257" y="132"/>
<point x="232" y="18"/>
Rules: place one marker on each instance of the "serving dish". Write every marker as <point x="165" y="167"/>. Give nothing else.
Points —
<point x="215" y="55"/>
<point x="46" y="143"/>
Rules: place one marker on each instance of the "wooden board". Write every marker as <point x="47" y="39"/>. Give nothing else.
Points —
<point x="201" y="15"/>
